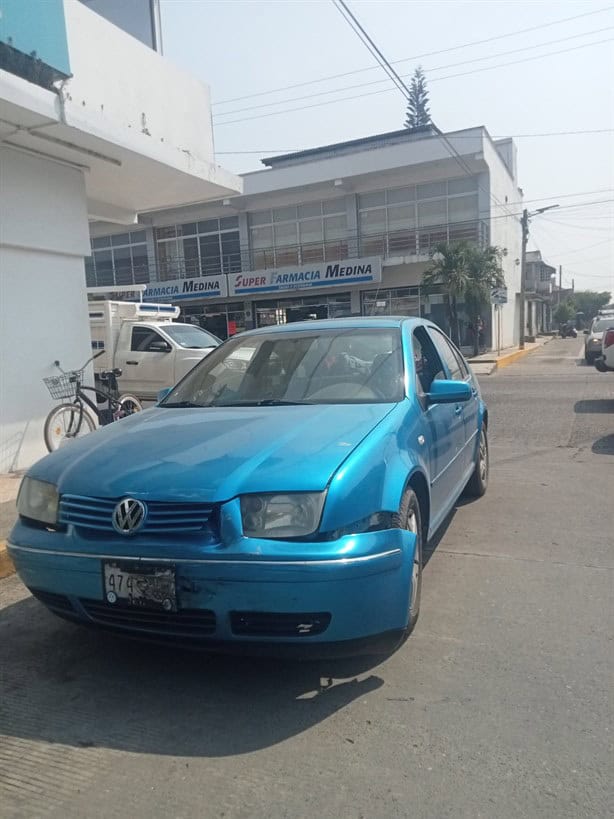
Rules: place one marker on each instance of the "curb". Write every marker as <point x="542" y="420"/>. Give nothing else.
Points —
<point x="6" y="564"/>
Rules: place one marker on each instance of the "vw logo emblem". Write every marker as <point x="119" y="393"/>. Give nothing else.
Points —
<point x="128" y="516"/>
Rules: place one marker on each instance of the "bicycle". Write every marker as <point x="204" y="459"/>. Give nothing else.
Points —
<point x="71" y="420"/>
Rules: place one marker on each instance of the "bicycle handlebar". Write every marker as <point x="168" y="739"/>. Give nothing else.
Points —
<point x="96" y="355"/>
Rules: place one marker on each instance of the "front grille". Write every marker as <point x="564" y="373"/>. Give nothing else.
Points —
<point x="56" y="602"/>
<point x="185" y="622"/>
<point x="277" y="624"/>
<point x="162" y="517"/>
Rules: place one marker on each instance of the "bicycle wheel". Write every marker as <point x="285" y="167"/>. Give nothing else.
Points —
<point x="65" y="422"/>
<point x="128" y="405"/>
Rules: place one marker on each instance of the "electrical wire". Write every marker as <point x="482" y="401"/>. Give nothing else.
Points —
<point x="387" y="90"/>
<point x="406" y="76"/>
<point x="514" y="33"/>
<point x="274" y="151"/>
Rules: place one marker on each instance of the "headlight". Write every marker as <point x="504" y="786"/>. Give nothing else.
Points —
<point x="38" y="500"/>
<point x="294" y="514"/>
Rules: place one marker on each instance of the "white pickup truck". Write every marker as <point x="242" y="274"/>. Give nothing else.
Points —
<point x="145" y="342"/>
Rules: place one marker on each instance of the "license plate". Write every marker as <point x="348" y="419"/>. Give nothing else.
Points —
<point x="139" y="586"/>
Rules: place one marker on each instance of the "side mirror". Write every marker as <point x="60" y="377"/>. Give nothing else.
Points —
<point x="586" y="332"/>
<point x="163" y="393"/>
<point x="449" y="392"/>
<point x="159" y="347"/>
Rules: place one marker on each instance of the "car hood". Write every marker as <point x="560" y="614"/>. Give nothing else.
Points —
<point x="212" y="454"/>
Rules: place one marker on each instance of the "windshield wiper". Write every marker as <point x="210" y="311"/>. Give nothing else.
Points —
<point x="181" y="405"/>
<point x="264" y="402"/>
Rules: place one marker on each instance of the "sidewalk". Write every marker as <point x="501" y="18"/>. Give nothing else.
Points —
<point x="488" y="363"/>
<point x="9" y="486"/>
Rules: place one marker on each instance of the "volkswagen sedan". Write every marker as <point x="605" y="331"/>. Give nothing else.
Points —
<point x="282" y="504"/>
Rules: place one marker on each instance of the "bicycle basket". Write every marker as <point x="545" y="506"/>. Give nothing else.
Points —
<point x="64" y="385"/>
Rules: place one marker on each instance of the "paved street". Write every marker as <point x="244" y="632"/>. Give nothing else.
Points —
<point x="500" y="704"/>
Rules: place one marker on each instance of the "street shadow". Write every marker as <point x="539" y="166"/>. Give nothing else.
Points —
<point x="595" y="406"/>
<point x="439" y="535"/>
<point x="62" y="683"/>
<point x="604" y="446"/>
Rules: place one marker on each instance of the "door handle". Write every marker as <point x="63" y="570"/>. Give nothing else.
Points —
<point x="458" y="409"/>
<point x="132" y="362"/>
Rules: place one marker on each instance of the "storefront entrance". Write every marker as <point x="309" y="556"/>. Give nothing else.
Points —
<point x="302" y="308"/>
<point x="223" y="320"/>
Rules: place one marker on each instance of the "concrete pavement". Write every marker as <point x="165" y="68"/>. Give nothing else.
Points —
<point x="499" y="705"/>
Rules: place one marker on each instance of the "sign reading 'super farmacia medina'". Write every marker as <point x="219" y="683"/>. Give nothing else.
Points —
<point x="324" y="274"/>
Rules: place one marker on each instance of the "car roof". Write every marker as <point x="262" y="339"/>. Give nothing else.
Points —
<point x="349" y="323"/>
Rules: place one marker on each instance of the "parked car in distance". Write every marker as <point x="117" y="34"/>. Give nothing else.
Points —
<point x="605" y="362"/>
<point x="594" y="338"/>
<point x="283" y="504"/>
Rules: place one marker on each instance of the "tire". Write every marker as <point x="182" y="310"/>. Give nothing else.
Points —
<point x="65" y="422"/>
<point x="128" y="405"/>
<point x="478" y="482"/>
<point x="409" y="517"/>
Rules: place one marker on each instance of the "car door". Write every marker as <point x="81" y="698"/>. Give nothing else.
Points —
<point x="459" y="371"/>
<point x="443" y="427"/>
<point x="148" y="365"/>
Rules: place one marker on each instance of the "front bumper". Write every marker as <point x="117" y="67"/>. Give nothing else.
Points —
<point x="343" y="595"/>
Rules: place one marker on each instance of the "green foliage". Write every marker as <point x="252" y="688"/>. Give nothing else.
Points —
<point x="589" y="302"/>
<point x="465" y="272"/>
<point x="564" y="312"/>
<point x="418" y="104"/>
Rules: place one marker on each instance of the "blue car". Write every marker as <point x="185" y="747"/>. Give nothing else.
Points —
<point x="279" y="498"/>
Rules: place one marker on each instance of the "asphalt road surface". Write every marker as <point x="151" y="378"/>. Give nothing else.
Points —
<point x="499" y="705"/>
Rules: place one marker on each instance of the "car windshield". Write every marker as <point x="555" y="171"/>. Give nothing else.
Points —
<point x="304" y="367"/>
<point x="601" y="325"/>
<point x="191" y="336"/>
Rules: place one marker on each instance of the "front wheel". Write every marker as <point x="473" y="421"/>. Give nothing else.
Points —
<point x="128" y="405"/>
<point x="410" y="518"/>
<point x="65" y="422"/>
<point x="478" y="482"/>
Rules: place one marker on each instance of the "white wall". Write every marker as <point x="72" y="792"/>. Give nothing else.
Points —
<point x="505" y="232"/>
<point x="43" y="307"/>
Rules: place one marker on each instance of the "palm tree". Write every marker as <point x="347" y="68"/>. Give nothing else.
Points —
<point x="485" y="273"/>
<point x="449" y="272"/>
<point x="466" y="273"/>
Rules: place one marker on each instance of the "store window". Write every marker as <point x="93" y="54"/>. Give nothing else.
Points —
<point x="413" y="219"/>
<point x="201" y="248"/>
<point x="299" y="234"/>
<point x="398" y="301"/>
<point x="118" y="260"/>
<point x="302" y="308"/>
<point x="223" y="320"/>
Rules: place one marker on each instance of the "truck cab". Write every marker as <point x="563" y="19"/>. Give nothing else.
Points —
<point x="144" y="341"/>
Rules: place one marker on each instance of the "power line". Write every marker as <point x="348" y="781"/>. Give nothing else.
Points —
<point x="419" y="56"/>
<point x="436" y="79"/>
<point x="405" y="76"/>
<point x="273" y="151"/>
<point x="400" y="84"/>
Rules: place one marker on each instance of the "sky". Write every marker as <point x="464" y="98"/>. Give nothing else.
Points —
<point x="506" y="82"/>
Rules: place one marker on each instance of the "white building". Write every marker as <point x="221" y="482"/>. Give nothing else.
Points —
<point x="95" y="126"/>
<point x="338" y="230"/>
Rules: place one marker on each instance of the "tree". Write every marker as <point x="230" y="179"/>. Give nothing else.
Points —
<point x="589" y="302"/>
<point x="564" y="312"/>
<point x="418" y="103"/>
<point x="464" y="272"/>
<point x="485" y="270"/>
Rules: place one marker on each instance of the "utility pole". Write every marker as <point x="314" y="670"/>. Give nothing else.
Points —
<point x="560" y="283"/>
<point x="524" y="223"/>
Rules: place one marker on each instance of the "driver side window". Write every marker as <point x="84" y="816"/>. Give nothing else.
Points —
<point x="143" y="338"/>
<point x="427" y="363"/>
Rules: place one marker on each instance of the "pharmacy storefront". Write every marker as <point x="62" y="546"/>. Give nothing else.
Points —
<point x="230" y="303"/>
